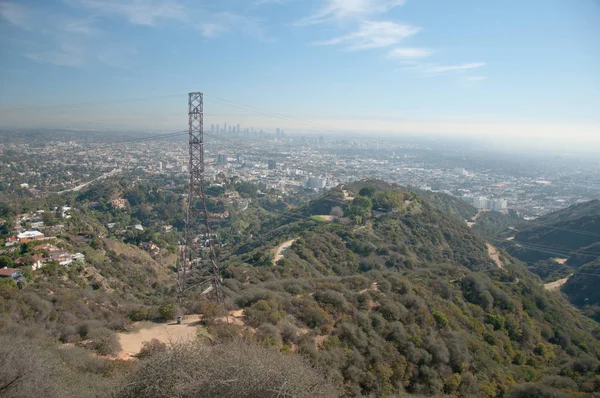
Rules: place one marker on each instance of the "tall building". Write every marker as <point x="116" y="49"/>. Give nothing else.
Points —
<point x="272" y="164"/>
<point x="221" y="158"/>
<point x="159" y="165"/>
<point x="278" y="131"/>
<point x="238" y="128"/>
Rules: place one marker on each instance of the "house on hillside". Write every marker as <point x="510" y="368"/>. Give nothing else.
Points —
<point x="44" y="247"/>
<point x="13" y="273"/>
<point x="62" y="256"/>
<point x="11" y="241"/>
<point x="29" y="236"/>
<point x="38" y="262"/>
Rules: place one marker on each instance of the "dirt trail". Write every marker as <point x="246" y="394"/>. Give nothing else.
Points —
<point x="281" y="249"/>
<point x="131" y="342"/>
<point x="474" y="219"/>
<point x="494" y="255"/>
<point x="556" y="284"/>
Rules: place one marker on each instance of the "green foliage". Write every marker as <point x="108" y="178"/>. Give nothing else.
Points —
<point x="6" y="261"/>
<point x="440" y="319"/>
<point x="138" y="314"/>
<point x="264" y="311"/>
<point x="167" y="312"/>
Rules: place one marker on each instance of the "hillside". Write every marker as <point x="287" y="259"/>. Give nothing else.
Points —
<point x="555" y="246"/>
<point x="563" y="232"/>
<point x="407" y="299"/>
<point x="391" y="295"/>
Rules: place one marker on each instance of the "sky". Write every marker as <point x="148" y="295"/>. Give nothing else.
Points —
<point x="511" y="71"/>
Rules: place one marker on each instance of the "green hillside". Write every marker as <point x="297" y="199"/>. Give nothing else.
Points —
<point x="563" y="231"/>
<point x="408" y="300"/>
<point x="394" y="295"/>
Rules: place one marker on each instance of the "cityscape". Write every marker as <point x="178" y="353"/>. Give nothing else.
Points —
<point x="530" y="186"/>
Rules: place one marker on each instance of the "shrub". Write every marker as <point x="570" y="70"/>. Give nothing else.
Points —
<point x="138" y="314"/>
<point x="102" y="341"/>
<point x="532" y="390"/>
<point x="234" y="369"/>
<point x="150" y="348"/>
<point x="167" y="312"/>
<point x="440" y="319"/>
<point x="316" y="318"/>
<point x="264" y="311"/>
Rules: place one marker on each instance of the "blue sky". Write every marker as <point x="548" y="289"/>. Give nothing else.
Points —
<point x="522" y="70"/>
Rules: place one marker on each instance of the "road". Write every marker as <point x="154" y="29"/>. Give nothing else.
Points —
<point x="494" y="255"/>
<point x="281" y="249"/>
<point x="85" y="184"/>
<point x="556" y="284"/>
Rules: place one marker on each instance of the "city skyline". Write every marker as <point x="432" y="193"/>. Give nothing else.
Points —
<point x="522" y="72"/>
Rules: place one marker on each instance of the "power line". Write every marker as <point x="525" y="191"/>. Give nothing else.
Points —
<point x="90" y="103"/>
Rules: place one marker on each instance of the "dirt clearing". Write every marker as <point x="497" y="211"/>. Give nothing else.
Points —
<point x="131" y="342"/>
<point x="281" y="249"/>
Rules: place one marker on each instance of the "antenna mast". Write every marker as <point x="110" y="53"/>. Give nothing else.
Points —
<point x="189" y="255"/>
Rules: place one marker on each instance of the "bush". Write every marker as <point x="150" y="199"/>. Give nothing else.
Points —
<point x="25" y="370"/>
<point x="532" y="390"/>
<point x="167" y="312"/>
<point x="234" y="369"/>
<point x="151" y="348"/>
<point x="264" y="311"/>
<point x="138" y="314"/>
<point x="102" y="341"/>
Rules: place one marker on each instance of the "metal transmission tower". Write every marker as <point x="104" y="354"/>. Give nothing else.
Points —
<point x="190" y="255"/>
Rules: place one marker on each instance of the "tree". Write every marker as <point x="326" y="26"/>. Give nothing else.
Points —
<point x="337" y="212"/>
<point x="367" y="191"/>
<point x="49" y="218"/>
<point x="6" y="262"/>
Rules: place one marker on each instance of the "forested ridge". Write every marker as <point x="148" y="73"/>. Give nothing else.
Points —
<point x="394" y="296"/>
<point x="562" y="244"/>
<point x="407" y="299"/>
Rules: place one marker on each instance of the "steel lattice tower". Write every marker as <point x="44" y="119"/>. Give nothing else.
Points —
<point x="190" y="254"/>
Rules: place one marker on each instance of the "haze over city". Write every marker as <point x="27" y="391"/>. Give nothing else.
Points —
<point x="513" y="73"/>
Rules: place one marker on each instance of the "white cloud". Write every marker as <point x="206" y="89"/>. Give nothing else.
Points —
<point x="152" y="12"/>
<point x="374" y="34"/>
<point x="138" y="12"/>
<point x="339" y="10"/>
<point x="409" y="52"/>
<point x="225" y="22"/>
<point x="14" y="14"/>
<point x="437" y="69"/>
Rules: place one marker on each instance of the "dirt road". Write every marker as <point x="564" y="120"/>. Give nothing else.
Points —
<point x="281" y="249"/>
<point x="494" y="255"/>
<point x="556" y="284"/>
